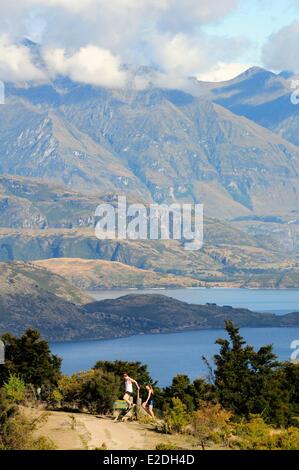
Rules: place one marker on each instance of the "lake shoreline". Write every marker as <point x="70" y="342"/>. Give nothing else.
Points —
<point x="142" y="289"/>
<point x="174" y="332"/>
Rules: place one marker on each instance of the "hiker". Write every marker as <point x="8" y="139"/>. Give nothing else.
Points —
<point x="149" y="403"/>
<point x="128" y="383"/>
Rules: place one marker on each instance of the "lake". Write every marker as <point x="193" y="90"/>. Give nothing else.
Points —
<point x="170" y="354"/>
<point x="277" y="301"/>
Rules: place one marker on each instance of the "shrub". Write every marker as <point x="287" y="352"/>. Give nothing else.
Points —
<point x="166" y="446"/>
<point x="211" y="423"/>
<point x="102" y="447"/>
<point x="176" y="417"/>
<point x="15" y="389"/>
<point x="70" y="387"/>
<point x="56" y="396"/>
<point x="100" y="391"/>
<point x="288" y="439"/>
<point x="17" y="431"/>
<point x="257" y="435"/>
<point x="95" y="390"/>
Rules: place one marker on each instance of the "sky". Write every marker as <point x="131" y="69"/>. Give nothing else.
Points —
<point x="90" y="40"/>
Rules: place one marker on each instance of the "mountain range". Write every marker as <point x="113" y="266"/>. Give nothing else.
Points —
<point x="233" y="146"/>
<point x="155" y="144"/>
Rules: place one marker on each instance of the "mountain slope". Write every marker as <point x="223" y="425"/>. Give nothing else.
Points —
<point x="17" y="279"/>
<point x="37" y="142"/>
<point x="185" y="148"/>
<point x="32" y="203"/>
<point x="90" y="274"/>
<point x="262" y="97"/>
<point x="229" y="257"/>
<point x="156" y="144"/>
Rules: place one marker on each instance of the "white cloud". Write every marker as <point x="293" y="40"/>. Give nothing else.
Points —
<point x="16" y="63"/>
<point x="179" y="53"/>
<point x="222" y="71"/>
<point x="280" y="52"/>
<point x="183" y="15"/>
<point x="181" y="56"/>
<point x="173" y="14"/>
<point x="89" y="39"/>
<point x="90" y="64"/>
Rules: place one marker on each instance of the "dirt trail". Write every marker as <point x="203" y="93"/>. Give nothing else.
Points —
<point x="74" y="431"/>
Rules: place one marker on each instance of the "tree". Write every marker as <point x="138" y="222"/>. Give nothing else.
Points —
<point x="135" y="370"/>
<point x="247" y="381"/>
<point x="30" y="358"/>
<point x="190" y="393"/>
<point x="288" y="375"/>
<point x="181" y="389"/>
<point x="100" y="392"/>
<point x="95" y="390"/>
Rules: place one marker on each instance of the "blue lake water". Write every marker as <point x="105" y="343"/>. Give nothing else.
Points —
<point x="170" y="354"/>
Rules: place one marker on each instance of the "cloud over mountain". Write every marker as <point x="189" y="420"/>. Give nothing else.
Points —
<point x="16" y="62"/>
<point x="90" y="64"/>
<point x="89" y="39"/>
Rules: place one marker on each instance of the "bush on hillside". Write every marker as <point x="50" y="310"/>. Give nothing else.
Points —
<point x="211" y="423"/>
<point x="95" y="390"/>
<point x="17" y="431"/>
<point x="15" y="389"/>
<point x="176" y="417"/>
<point x="255" y="434"/>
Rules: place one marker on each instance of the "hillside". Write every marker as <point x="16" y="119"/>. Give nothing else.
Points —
<point x="26" y="279"/>
<point x="32" y="203"/>
<point x="31" y="298"/>
<point x="261" y="96"/>
<point x="159" y="314"/>
<point x="90" y="274"/>
<point x="228" y="255"/>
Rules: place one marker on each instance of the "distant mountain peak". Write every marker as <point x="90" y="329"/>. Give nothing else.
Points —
<point x="253" y="72"/>
<point x="35" y="51"/>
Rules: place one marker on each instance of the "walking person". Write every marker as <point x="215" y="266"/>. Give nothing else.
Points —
<point x="148" y="405"/>
<point x="128" y="386"/>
